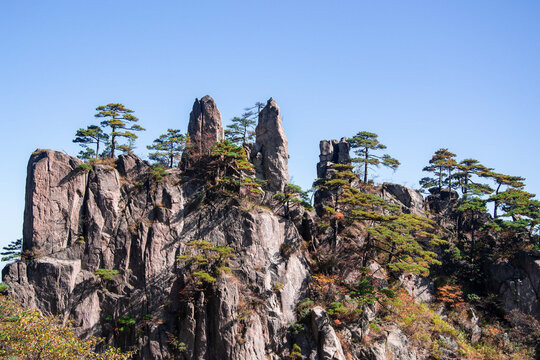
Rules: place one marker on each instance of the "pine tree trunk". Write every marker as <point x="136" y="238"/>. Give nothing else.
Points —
<point x="366" y="167"/>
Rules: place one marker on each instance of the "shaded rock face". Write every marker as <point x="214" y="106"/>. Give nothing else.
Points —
<point x="118" y="217"/>
<point x="411" y="200"/>
<point x="518" y="283"/>
<point x="442" y="202"/>
<point x="205" y="128"/>
<point x="332" y="152"/>
<point x="325" y="335"/>
<point x="270" y="154"/>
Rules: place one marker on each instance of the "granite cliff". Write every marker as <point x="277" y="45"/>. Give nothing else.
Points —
<point x="118" y="216"/>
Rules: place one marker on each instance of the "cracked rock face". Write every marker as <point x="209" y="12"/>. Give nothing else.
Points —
<point x="118" y="217"/>
<point x="332" y="152"/>
<point x="271" y="152"/>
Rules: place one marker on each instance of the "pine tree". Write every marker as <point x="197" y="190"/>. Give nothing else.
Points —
<point x="466" y="171"/>
<point x="121" y="123"/>
<point x="441" y="164"/>
<point x="292" y="194"/>
<point x="230" y="169"/>
<point x="405" y="239"/>
<point x="473" y="207"/>
<point x="365" y="142"/>
<point x="168" y="147"/>
<point x="511" y="182"/>
<point x="240" y="132"/>
<point x="521" y="207"/>
<point x="93" y="134"/>
<point x="12" y="251"/>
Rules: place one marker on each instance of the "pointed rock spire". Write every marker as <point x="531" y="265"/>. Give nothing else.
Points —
<point x="271" y="152"/>
<point x="205" y="128"/>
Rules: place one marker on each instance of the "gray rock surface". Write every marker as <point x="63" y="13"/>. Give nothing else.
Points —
<point x="270" y="154"/>
<point x="324" y="334"/>
<point x="422" y="289"/>
<point x="412" y="201"/>
<point x="394" y="345"/>
<point x="332" y="152"/>
<point x="55" y="189"/>
<point x="205" y="128"/>
<point x="118" y="217"/>
<point x="518" y="283"/>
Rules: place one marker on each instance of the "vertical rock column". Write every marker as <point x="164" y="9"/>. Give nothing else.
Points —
<point x="271" y="152"/>
<point x="204" y="128"/>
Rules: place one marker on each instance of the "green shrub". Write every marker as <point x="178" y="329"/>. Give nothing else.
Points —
<point x="85" y="166"/>
<point x="304" y="307"/>
<point x="336" y="308"/>
<point x="207" y="261"/>
<point x="158" y="172"/>
<point x="278" y="286"/>
<point x="106" y="274"/>
<point x="296" y="352"/>
<point x="3" y="288"/>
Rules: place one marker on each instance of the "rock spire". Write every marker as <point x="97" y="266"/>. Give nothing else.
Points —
<point x="271" y="152"/>
<point x="205" y="128"/>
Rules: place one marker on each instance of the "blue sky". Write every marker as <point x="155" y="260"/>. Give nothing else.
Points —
<point x="421" y="74"/>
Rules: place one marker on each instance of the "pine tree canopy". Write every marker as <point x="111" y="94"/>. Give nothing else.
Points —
<point x="12" y="251"/>
<point x="363" y="143"/>
<point x="241" y="132"/>
<point x="168" y="147"/>
<point x="93" y="134"/>
<point x="121" y="123"/>
<point x="442" y="164"/>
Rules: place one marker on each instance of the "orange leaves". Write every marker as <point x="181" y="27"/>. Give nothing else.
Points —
<point x="339" y="216"/>
<point x="451" y="295"/>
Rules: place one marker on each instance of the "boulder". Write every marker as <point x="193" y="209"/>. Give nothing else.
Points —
<point x="411" y="201"/>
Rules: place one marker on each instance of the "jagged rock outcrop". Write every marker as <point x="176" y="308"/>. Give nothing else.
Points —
<point x="394" y="345"/>
<point x="332" y="152"/>
<point x="517" y="281"/>
<point x="324" y="334"/>
<point x="204" y="128"/>
<point x="411" y="200"/>
<point x="117" y="216"/>
<point x="270" y="154"/>
<point x="55" y="188"/>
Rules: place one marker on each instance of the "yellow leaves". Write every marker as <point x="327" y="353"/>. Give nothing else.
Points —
<point x="24" y="333"/>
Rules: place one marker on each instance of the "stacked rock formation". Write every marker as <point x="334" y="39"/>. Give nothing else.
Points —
<point x="332" y="152"/>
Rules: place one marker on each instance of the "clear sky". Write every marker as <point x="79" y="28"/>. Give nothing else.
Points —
<point x="422" y="74"/>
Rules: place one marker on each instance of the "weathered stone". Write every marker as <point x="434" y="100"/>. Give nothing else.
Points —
<point x="139" y="230"/>
<point x="412" y="201"/>
<point x="328" y="344"/>
<point x="394" y="345"/>
<point x="332" y="152"/>
<point x="517" y="283"/>
<point x="271" y="152"/>
<point x="422" y="289"/>
<point x="205" y="128"/>
<point x="55" y="189"/>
